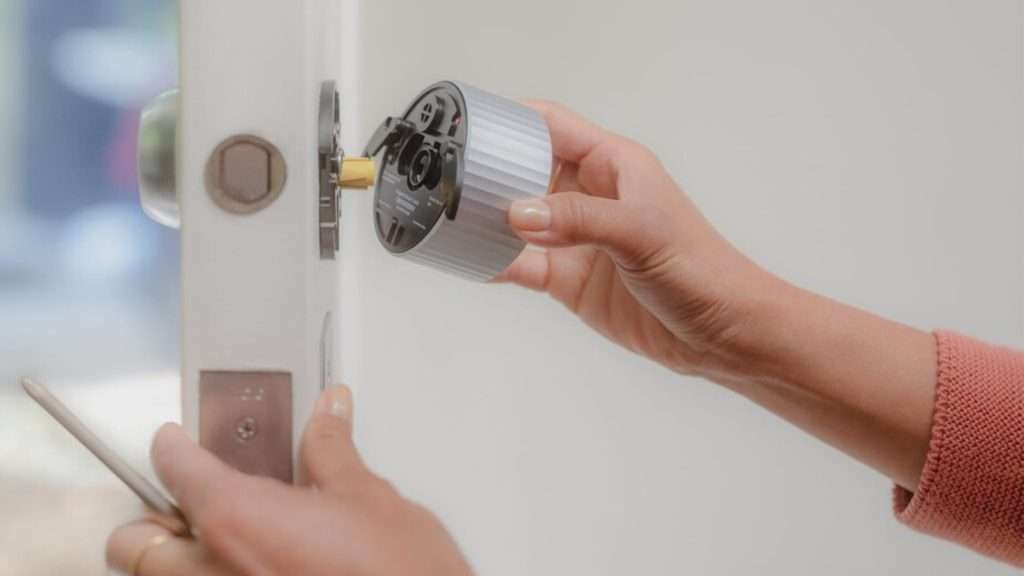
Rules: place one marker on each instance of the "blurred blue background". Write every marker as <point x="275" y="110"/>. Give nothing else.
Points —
<point x="88" y="285"/>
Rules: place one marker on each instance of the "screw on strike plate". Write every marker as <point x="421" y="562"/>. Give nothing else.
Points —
<point x="246" y="429"/>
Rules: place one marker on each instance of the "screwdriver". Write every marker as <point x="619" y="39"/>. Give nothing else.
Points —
<point x="169" y="514"/>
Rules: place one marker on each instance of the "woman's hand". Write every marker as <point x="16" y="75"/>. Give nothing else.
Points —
<point x="630" y="254"/>
<point x="344" y="520"/>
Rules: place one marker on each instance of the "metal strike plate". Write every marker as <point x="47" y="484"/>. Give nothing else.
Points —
<point x="245" y="418"/>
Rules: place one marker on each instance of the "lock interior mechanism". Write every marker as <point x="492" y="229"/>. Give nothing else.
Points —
<point x="336" y="170"/>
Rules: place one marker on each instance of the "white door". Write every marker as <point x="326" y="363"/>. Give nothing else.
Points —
<point x="257" y="105"/>
<point x="868" y="150"/>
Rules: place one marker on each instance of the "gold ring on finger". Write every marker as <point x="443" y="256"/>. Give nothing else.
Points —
<point x="150" y="544"/>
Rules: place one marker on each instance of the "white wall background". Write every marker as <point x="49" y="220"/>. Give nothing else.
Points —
<point x="870" y="150"/>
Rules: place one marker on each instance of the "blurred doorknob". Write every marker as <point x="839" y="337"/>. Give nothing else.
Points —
<point x="155" y="157"/>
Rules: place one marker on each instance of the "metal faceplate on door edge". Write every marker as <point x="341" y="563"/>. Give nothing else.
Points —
<point x="330" y="157"/>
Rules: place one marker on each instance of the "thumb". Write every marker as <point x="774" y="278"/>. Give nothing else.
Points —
<point x="328" y="456"/>
<point x="632" y="235"/>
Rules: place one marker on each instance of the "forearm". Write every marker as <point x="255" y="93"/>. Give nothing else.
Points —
<point x="857" y="381"/>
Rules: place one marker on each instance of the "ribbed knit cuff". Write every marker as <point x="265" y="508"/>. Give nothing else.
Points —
<point x="971" y="490"/>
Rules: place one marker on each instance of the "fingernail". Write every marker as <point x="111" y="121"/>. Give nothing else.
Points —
<point x="533" y="215"/>
<point x="336" y="402"/>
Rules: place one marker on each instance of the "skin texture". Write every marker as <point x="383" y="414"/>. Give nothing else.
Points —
<point x="629" y="254"/>
<point x="625" y="250"/>
<point x="342" y="519"/>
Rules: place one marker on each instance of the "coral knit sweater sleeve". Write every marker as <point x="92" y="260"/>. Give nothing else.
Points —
<point x="971" y="490"/>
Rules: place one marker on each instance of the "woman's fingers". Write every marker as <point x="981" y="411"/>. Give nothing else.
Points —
<point x="328" y="456"/>
<point x="531" y="269"/>
<point x="591" y="156"/>
<point x="572" y="135"/>
<point x="144" y="548"/>
<point x="634" y="236"/>
<point x="189" y="473"/>
<point x="228" y="511"/>
<point x="564" y="177"/>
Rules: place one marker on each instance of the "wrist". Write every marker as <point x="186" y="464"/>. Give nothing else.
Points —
<point x="767" y="314"/>
<point x="860" y="382"/>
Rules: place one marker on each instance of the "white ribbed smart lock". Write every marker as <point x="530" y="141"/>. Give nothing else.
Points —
<point x="451" y="165"/>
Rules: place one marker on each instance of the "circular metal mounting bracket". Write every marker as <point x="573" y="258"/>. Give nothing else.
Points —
<point x="330" y="158"/>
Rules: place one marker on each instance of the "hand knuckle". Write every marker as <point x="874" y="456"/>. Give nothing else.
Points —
<point x="552" y="106"/>
<point x="373" y="490"/>
<point x="320" y="434"/>
<point x="384" y="489"/>
<point x="642" y="154"/>
<point x="577" y="217"/>
<point x="652" y="252"/>
<point x="372" y="487"/>
<point x="630" y="152"/>
<point x="115" y="542"/>
<point x="653" y="219"/>
<point x="388" y="501"/>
